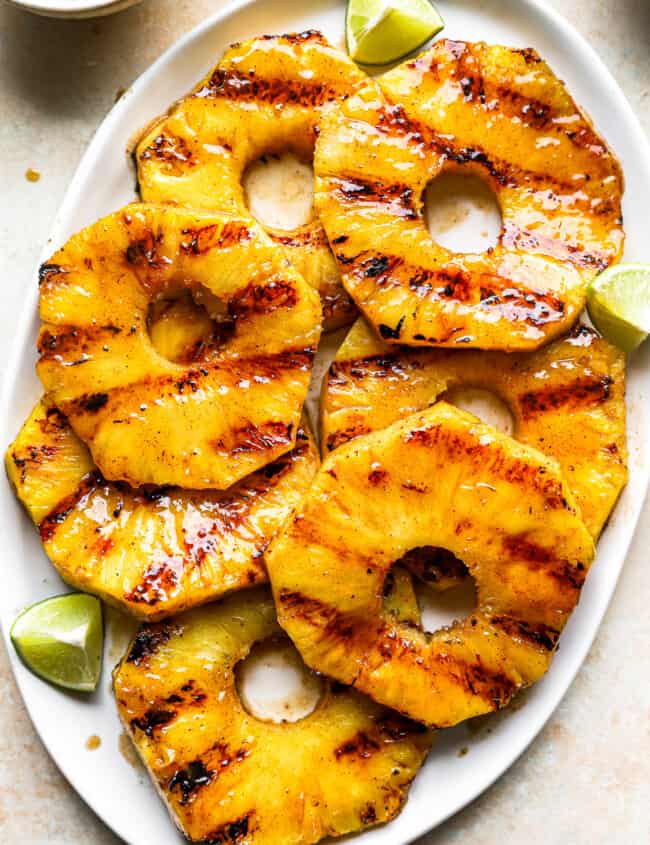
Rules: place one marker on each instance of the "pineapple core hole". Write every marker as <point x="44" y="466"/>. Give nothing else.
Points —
<point x="441" y="608"/>
<point x="186" y="327"/>
<point x="484" y="404"/>
<point x="274" y="684"/>
<point x="279" y="191"/>
<point x="462" y="213"/>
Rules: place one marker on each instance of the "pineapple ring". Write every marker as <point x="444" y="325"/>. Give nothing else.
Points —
<point x="441" y="478"/>
<point x="567" y="400"/>
<point x="502" y="115"/>
<point x="227" y="776"/>
<point x="148" y="420"/>
<point x="151" y="551"/>
<point x="265" y="95"/>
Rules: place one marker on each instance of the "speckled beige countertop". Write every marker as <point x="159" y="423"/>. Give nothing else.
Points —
<point x="586" y="779"/>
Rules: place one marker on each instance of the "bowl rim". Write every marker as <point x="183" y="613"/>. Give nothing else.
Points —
<point x="71" y="7"/>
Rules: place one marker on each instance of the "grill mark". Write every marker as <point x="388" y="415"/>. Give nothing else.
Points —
<point x="491" y="685"/>
<point x="360" y="746"/>
<point x="255" y="368"/>
<point x="243" y="87"/>
<point x="316" y="613"/>
<point x="495" y="96"/>
<point x="368" y="814"/>
<point x="49" y="525"/>
<point x="299" y="38"/>
<point x="35" y="456"/>
<point x="516" y="303"/>
<point x="202" y="239"/>
<point x="314" y="237"/>
<point x="397" y="197"/>
<point x="495" y="460"/>
<point x="190" y="780"/>
<point x="54" y="344"/>
<point x="151" y="720"/>
<point x="252" y="438"/>
<point x="159" y="581"/>
<point x="169" y="148"/>
<point x="393" y="120"/>
<point x="373" y="366"/>
<point x="148" y="640"/>
<point x="338" y="438"/>
<point x="389" y="333"/>
<point x="583" y="392"/>
<point x="262" y="299"/>
<point x="231" y="833"/>
<point x="538" y="635"/>
<point x="146" y="251"/>
<point x="514" y="237"/>
<point x="537" y="557"/>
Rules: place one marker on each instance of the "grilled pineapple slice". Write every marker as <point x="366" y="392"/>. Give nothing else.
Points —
<point x="229" y="777"/>
<point x="502" y="115"/>
<point x="265" y="96"/>
<point x="151" y="551"/>
<point x="567" y="400"/>
<point x="147" y="420"/>
<point x="440" y="478"/>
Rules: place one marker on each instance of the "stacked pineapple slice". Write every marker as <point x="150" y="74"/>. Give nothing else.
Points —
<point x="169" y="464"/>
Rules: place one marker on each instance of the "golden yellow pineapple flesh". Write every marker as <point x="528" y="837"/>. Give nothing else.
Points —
<point x="149" y="420"/>
<point x="567" y="400"/>
<point x="502" y="115"/>
<point x="151" y="551"/>
<point x="439" y="478"/>
<point x="230" y="777"/>
<point x="264" y="97"/>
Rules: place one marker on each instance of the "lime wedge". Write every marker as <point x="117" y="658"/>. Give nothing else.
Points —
<point x="379" y="32"/>
<point x="618" y="301"/>
<point x="60" y="640"/>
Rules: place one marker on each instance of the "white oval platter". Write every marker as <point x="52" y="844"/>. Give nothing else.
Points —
<point x="121" y="794"/>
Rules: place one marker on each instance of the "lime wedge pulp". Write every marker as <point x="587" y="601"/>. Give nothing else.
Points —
<point x="380" y="32"/>
<point x="618" y="301"/>
<point x="60" y="640"/>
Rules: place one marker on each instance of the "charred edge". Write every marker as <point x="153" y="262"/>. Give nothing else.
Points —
<point x="159" y="580"/>
<point x="514" y="237"/>
<point x="398" y="197"/>
<point x="202" y="239"/>
<point x="538" y="635"/>
<point x="433" y="564"/>
<point x="232" y="833"/>
<point x="389" y="333"/>
<point x="360" y="745"/>
<point x="34" y="457"/>
<point x="64" y="508"/>
<point x="249" y="87"/>
<point x="190" y="780"/>
<point x="338" y="438"/>
<point x="151" y="720"/>
<point x="317" y="613"/>
<point x="148" y="640"/>
<point x="492" y="686"/>
<point x="169" y="148"/>
<point x="263" y="299"/>
<point x="395" y="728"/>
<point x="582" y="392"/>
<point x="313" y="35"/>
<point x="48" y="271"/>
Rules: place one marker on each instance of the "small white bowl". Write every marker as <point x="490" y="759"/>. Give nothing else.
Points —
<point x="73" y="8"/>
